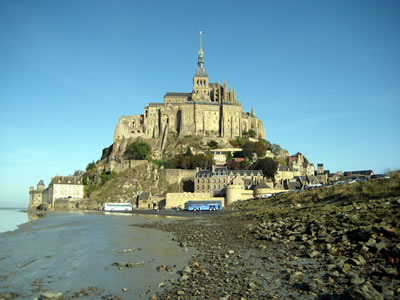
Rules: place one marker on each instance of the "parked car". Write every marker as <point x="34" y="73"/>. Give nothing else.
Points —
<point x="266" y="196"/>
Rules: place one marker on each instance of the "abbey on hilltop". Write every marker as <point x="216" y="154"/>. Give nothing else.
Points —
<point x="211" y="109"/>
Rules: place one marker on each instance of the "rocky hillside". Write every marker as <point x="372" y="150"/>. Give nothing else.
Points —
<point x="125" y="186"/>
<point x="197" y="144"/>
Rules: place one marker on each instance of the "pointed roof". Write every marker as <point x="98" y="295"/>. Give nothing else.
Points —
<point x="201" y="71"/>
<point x="262" y="185"/>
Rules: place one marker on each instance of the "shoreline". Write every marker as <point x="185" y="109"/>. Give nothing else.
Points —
<point x="344" y="250"/>
<point x="129" y="255"/>
<point x="164" y="212"/>
<point x="292" y="254"/>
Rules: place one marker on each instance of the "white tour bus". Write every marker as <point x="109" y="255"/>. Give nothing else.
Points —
<point x="117" y="207"/>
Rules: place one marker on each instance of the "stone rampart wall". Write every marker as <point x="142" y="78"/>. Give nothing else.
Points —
<point x="120" y="166"/>
<point x="177" y="175"/>
<point x="179" y="199"/>
<point x="66" y="203"/>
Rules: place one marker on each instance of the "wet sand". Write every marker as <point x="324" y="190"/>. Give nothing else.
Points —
<point x="74" y="252"/>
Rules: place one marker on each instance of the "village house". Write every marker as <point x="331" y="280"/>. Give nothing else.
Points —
<point x="62" y="187"/>
<point x="214" y="181"/>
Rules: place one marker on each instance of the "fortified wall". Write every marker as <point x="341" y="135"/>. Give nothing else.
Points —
<point x="179" y="199"/>
<point x="174" y="176"/>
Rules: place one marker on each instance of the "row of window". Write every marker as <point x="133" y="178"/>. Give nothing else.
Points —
<point x="201" y="82"/>
<point x="219" y="180"/>
<point x="216" y="186"/>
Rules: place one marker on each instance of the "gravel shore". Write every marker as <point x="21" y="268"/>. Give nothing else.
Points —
<point x="325" y="252"/>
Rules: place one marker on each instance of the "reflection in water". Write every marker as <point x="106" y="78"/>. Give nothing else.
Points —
<point x="35" y="215"/>
<point x="144" y="215"/>
<point x="11" y="218"/>
<point x="69" y="252"/>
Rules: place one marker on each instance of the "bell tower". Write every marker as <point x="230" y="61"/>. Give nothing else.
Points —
<point x="201" y="90"/>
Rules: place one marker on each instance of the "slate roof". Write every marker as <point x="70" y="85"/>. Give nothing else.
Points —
<point x="248" y="182"/>
<point x="312" y="179"/>
<point x="214" y="84"/>
<point x="223" y="171"/>
<point x="219" y="171"/>
<point x="246" y="172"/>
<point x="294" y="185"/>
<point x="283" y="168"/>
<point x="278" y="185"/>
<point x="66" y="180"/>
<point x="302" y="179"/>
<point x="200" y="72"/>
<point x="262" y="185"/>
<point x="175" y="94"/>
<point x="144" y="196"/>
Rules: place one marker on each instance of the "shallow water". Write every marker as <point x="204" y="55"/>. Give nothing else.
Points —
<point x="10" y="218"/>
<point x="69" y="252"/>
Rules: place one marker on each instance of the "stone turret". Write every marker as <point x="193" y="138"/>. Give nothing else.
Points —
<point x="40" y="186"/>
<point x="36" y="196"/>
<point x="233" y="190"/>
<point x="320" y="169"/>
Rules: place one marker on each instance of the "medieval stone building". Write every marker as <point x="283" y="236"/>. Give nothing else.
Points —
<point x="36" y="196"/>
<point x="211" y="109"/>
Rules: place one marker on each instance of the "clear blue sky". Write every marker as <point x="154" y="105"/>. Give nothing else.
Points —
<point x="323" y="76"/>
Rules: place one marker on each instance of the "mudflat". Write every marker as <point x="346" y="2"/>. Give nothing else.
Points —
<point x="88" y="256"/>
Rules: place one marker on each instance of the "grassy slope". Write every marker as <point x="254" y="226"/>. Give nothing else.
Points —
<point x="125" y="185"/>
<point x="325" y="199"/>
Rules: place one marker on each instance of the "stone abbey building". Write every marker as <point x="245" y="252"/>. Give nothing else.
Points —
<point x="211" y="109"/>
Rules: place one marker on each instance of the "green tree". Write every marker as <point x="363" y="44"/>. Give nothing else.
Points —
<point x="260" y="149"/>
<point x="266" y="143"/>
<point x="238" y="154"/>
<point x="212" y="144"/>
<point x="267" y="165"/>
<point x="188" y="151"/>
<point x="106" y="152"/>
<point x="137" y="150"/>
<point x="275" y="148"/>
<point x="186" y="162"/>
<point x="244" y="164"/>
<point x="233" y="165"/>
<point x="248" y="149"/>
<point x="251" y="133"/>
<point x="165" y="163"/>
<point x="78" y="173"/>
<point x="177" y="160"/>
<point x="238" y="142"/>
<point x="229" y="156"/>
<point x="107" y="176"/>
<point x="91" y="166"/>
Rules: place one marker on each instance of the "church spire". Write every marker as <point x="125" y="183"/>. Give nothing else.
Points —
<point x="201" y="54"/>
<point x="201" y="72"/>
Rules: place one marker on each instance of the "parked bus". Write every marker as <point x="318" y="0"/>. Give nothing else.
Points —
<point x="203" y="205"/>
<point x="117" y="207"/>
